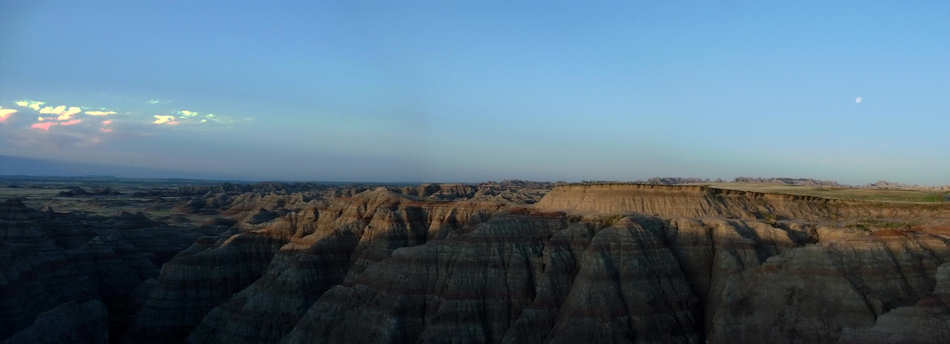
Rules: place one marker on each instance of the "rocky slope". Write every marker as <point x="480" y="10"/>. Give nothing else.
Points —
<point x="54" y="263"/>
<point x="645" y="264"/>
<point x="490" y="264"/>
<point x="337" y="242"/>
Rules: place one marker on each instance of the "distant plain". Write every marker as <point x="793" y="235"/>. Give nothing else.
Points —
<point x="906" y="195"/>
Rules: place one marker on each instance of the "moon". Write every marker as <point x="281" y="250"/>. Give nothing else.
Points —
<point x="858" y="100"/>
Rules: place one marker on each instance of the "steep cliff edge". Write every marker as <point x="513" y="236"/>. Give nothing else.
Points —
<point x="645" y="264"/>
<point x="346" y="237"/>
<point x="701" y="201"/>
<point x="586" y="263"/>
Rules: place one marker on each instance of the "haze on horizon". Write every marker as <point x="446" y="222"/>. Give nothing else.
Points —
<point x="430" y="91"/>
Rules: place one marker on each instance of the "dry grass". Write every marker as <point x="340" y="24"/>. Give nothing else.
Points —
<point x="862" y="194"/>
<point x="39" y="197"/>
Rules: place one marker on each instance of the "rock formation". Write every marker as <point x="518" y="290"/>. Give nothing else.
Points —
<point x="71" y="322"/>
<point x="51" y="260"/>
<point x="488" y="264"/>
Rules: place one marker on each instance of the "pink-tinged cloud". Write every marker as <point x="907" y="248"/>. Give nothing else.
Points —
<point x="70" y="122"/>
<point x="43" y="126"/>
<point x="107" y="122"/>
<point x="165" y="119"/>
<point x="100" y="113"/>
<point x="105" y="130"/>
<point x="5" y="113"/>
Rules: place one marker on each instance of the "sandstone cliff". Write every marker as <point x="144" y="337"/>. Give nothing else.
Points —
<point x="456" y="263"/>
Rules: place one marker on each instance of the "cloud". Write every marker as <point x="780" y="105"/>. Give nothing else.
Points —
<point x="63" y="112"/>
<point x="165" y="119"/>
<point x="43" y="126"/>
<point x="100" y="113"/>
<point x="858" y="100"/>
<point x="105" y="126"/>
<point x="194" y="117"/>
<point x="32" y="104"/>
<point x="49" y="110"/>
<point x="68" y="114"/>
<point x="6" y="113"/>
<point x="188" y="114"/>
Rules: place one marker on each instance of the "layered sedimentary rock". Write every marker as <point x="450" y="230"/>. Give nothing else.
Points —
<point x="52" y="259"/>
<point x="703" y="201"/>
<point x="198" y="279"/>
<point x="926" y="321"/>
<point x="527" y="279"/>
<point x="71" y="322"/>
<point x="713" y="266"/>
<point x="338" y="241"/>
<point x="481" y="264"/>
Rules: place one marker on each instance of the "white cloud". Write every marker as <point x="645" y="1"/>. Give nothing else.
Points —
<point x="49" y="110"/>
<point x="32" y="104"/>
<point x="194" y="117"/>
<point x="188" y="114"/>
<point x="100" y="113"/>
<point x="63" y="112"/>
<point x="68" y="114"/>
<point x="164" y="119"/>
<point x="858" y="100"/>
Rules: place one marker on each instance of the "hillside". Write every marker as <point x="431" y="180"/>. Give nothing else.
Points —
<point x="492" y="263"/>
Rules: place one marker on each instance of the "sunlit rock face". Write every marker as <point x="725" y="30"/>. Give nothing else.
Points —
<point x="668" y="264"/>
<point x="457" y="263"/>
<point x="342" y="240"/>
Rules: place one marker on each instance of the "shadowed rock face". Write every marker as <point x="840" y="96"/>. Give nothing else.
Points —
<point x="723" y="270"/>
<point x="587" y="263"/>
<point x="71" y="322"/>
<point x="341" y="241"/>
<point x="52" y="259"/>
<point x="926" y="321"/>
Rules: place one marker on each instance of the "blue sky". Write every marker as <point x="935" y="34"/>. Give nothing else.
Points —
<point x="430" y="91"/>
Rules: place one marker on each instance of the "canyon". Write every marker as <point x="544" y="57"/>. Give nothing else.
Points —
<point x="501" y="262"/>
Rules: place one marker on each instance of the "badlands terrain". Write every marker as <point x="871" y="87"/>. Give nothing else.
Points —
<point x="101" y="260"/>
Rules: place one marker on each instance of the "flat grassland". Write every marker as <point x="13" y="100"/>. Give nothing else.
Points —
<point x="844" y="193"/>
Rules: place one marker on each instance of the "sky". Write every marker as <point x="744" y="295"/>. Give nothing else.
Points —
<point x="396" y="91"/>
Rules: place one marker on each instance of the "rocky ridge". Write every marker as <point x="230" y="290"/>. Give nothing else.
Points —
<point x="584" y="263"/>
